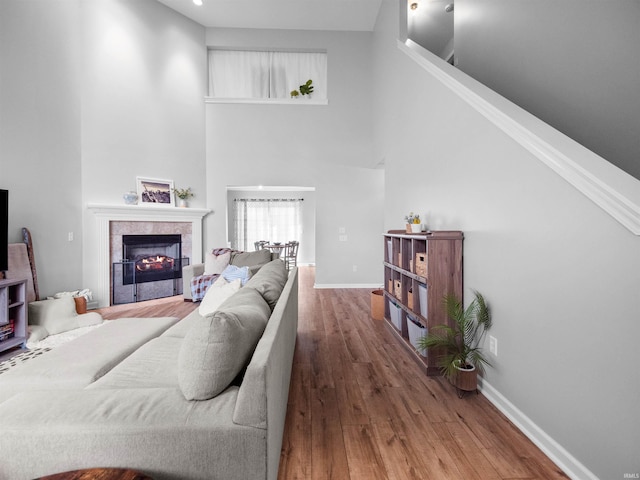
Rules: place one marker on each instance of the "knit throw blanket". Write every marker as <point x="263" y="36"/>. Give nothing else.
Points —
<point x="200" y="284"/>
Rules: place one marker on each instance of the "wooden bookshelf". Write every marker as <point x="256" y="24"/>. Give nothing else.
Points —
<point x="419" y="270"/>
<point x="13" y="314"/>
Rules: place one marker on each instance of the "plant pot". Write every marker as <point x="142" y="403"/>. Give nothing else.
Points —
<point x="466" y="379"/>
<point x="183" y="203"/>
<point x="416" y="228"/>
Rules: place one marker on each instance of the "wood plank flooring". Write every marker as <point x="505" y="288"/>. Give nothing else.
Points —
<point x="360" y="407"/>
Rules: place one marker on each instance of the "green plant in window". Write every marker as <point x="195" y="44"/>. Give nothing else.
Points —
<point x="307" y="88"/>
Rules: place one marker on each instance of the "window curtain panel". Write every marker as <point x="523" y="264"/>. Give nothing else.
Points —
<point x="253" y="74"/>
<point x="238" y="74"/>
<point x="289" y="70"/>
<point x="274" y="220"/>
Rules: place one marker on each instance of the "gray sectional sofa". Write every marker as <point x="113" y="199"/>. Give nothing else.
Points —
<point x="124" y="395"/>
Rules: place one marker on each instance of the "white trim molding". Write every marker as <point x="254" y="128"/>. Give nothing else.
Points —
<point x="609" y="187"/>
<point x="303" y="102"/>
<point x="105" y="214"/>
<point x="320" y="286"/>
<point x="552" y="449"/>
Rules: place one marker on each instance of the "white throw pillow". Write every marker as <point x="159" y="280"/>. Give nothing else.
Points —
<point x="215" y="264"/>
<point x="56" y="315"/>
<point x="216" y="295"/>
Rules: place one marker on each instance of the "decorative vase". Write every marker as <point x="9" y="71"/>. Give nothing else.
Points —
<point x="407" y="228"/>
<point x="183" y="203"/>
<point x="130" y="198"/>
<point x="416" y="228"/>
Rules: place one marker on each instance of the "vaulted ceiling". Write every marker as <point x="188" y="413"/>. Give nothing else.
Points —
<point x="348" y="15"/>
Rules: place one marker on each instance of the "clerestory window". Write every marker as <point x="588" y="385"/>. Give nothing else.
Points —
<point x="260" y="75"/>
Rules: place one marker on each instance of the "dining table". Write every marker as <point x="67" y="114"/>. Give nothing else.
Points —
<point x="275" y="247"/>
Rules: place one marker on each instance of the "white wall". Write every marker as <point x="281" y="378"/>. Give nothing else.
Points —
<point x="326" y="147"/>
<point x="143" y="88"/>
<point x="560" y="274"/>
<point x="40" y="161"/>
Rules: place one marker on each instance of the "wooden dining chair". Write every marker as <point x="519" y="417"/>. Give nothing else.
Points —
<point x="291" y="254"/>
<point x="259" y="245"/>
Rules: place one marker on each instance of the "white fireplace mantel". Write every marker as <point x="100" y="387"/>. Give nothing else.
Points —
<point x="105" y="214"/>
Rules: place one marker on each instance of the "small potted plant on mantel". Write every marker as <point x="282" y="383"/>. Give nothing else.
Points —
<point x="413" y="223"/>
<point x="183" y="195"/>
<point x="458" y="346"/>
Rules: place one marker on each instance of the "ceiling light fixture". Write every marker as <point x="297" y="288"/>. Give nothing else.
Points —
<point x="414" y="5"/>
<point x="449" y="8"/>
<point x="198" y="2"/>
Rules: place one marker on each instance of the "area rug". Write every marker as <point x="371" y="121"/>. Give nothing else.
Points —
<point x="35" y="349"/>
<point x="21" y="358"/>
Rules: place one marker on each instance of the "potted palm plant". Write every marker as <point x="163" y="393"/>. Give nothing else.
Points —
<point x="458" y="346"/>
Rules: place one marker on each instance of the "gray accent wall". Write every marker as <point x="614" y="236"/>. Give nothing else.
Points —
<point x="572" y="63"/>
<point x="561" y="275"/>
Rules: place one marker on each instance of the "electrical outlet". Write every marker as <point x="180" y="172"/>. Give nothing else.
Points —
<point x="493" y="345"/>
<point x="70" y="236"/>
<point x="342" y="230"/>
<point x="342" y="238"/>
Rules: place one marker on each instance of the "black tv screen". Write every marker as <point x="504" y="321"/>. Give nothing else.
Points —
<point x="4" y="230"/>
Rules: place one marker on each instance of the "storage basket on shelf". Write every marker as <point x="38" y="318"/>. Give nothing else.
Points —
<point x="422" y="294"/>
<point x="395" y="312"/>
<point x="397" y="289"/>
<point x="421" y="264"/>
<point x="416" y="332"/>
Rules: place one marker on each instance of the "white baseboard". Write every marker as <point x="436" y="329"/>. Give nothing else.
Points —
<point x="347" y="285"/>
<point x="552" y="449"/>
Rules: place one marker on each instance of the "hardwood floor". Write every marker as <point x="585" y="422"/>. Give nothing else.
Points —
<point x="361" y="408"/>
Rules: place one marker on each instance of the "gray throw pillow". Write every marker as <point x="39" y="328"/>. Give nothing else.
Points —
<point x="218" y="346"/>
<point x="249" y="259"/>
<point x="269" y="281"/>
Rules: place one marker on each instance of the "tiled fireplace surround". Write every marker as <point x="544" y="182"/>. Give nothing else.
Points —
<point x="114" y="221"/>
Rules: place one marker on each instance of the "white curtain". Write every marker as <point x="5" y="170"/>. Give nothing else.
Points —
<point x="289" y="70"/>
<point x="274" y="220"/>
<point x="253" y="74"/>
<point x="238" y="74"/>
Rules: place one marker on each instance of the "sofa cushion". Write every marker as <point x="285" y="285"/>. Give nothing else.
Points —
<point x="217" y="294"/>
<point x="250" y="259"/>
<point x="269" y="281"/>
<point x="215" y="264"/>
<point x="219" y="345"/>
<point x="82" y="361"/>
<point x="153" y="365"/>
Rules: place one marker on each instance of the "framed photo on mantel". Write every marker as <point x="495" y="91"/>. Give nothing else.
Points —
<point x="156" y="192"/>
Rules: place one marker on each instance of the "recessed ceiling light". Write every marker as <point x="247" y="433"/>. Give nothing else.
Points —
<point x="198" y="2"/>
<point x="414" y="5"/>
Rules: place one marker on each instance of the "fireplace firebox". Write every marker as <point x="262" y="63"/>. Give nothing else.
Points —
<point x="151" y="258"/>
<point x="151" y="267"/>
